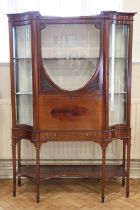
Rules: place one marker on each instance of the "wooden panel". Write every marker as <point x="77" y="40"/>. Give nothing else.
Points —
<point x="70" y="113"/>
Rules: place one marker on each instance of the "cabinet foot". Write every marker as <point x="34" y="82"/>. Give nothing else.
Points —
<point x="14" y="166"/>
<point x="19" y="181"/>
<point x="124" y="162"/>
<point x="37" y="199"/>
<point x="103" y="199"/>
<point x="128" y="167"/>
<point x="19" y="162"/>
<point x="14" y="193"/>
<point x="37" y="146"/>
<point x="127" y="194"/>
<point x="123" y="182"/>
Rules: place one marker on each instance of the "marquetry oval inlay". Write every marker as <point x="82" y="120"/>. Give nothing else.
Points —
<point x="69" y="113"/>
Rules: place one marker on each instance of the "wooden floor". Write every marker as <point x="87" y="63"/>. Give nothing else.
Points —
<point x="69" y="194"/>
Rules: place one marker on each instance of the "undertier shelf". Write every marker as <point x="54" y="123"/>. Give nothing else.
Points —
<point x="61" y="171"/>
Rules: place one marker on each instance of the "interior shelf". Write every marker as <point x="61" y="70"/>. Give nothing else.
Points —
<point x="123" y="58"/>
<point x="60" y="171"/>
<point x="23" y="58"/>
<point x="23" y="93"/>
<point x="79" y="58"/>
<point x="71" y="58"/>
<point x="121" y="92"/>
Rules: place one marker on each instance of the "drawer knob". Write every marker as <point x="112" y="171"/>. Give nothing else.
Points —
<point x="50" y="135"/>
<point x="91" y="135"/>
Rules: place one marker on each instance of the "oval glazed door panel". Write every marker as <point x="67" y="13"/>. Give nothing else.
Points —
<point x="70" y="54"/>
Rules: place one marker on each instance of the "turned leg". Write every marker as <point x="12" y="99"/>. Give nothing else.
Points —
<point x="14" y="166"/>
<point x="19" y="163"/>
<point x="124" y="157"/>
<point x="103" y="172"/>
<point x="38" y="173"/>
<point x="128" y="167"/>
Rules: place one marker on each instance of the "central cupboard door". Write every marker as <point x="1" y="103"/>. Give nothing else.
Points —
<point x="70" y="62"/>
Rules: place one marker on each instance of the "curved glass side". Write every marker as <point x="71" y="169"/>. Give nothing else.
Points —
<point x="118" y="71"/>
<point x="70" y="53"/>
<point x="23" y="74"/>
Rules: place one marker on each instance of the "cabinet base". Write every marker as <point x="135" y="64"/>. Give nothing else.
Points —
<point x="60" y="171"/>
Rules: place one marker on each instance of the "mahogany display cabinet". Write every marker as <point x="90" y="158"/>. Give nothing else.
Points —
<point x="71" y="81"/>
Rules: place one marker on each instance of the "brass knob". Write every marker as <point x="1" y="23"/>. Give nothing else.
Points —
<point x="50" y="135"/>
<point x="91" y="135"/>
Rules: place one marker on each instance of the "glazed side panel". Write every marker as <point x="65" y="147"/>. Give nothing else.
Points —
<point x="63" y="112"/>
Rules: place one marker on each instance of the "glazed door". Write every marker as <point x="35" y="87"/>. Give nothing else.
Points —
<point x="70" y="54"/>
<point x="23" y="74"/>
<point x="118" y="74"/>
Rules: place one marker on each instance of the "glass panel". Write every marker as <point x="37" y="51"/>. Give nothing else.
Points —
<point x="117" y="114"/>
<point x="24" y="109"/>
<point x="70" y="53"/>
<point x="23" y="74"/>
<point x="118" y="67"/>
<point x="22" y="41"/>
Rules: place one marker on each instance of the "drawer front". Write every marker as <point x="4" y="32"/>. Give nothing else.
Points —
<point x="121" y="133"/>
<point x="70" y="136"/>
<point x="85" y="135"/>
<point x="117" y="134"/>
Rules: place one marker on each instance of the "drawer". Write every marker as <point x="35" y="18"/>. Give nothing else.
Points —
<point x="84" y="135"/>
<point x="70" y="135"/>
<point x="121" y="133"/>
<point x="116" y="134"/>
<point x="48" y="136"/>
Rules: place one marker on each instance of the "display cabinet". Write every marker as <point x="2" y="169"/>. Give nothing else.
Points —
<point x="71" y="81"/>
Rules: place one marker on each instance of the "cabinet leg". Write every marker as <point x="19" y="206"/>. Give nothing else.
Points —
<point x="124" y="157"/>
<point x="128" y="167"/>
<point x="38" y="174"/>
<point x="19" y="163"/>
<point x="14" y="166"/>
<point x="103" y="173"/>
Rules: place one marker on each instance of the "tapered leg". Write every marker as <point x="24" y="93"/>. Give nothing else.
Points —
<point x="14" y="166"/>
<point x="103" y="173"/>
<point x="124" y="157"/>
<point x="38" y="173"/>
<point x="128" y="167"/>
<point x="19" y="163"/>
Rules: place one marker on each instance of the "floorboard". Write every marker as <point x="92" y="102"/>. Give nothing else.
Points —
<point x="69" y="194"/>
